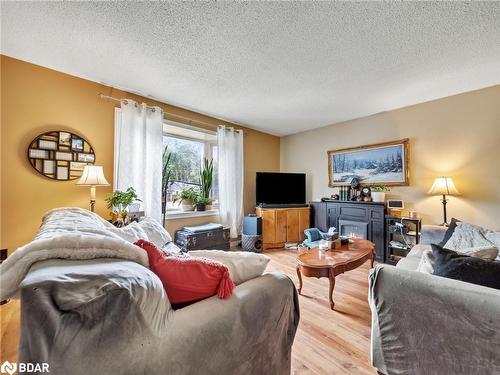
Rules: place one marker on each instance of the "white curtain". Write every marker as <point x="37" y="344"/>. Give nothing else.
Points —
<point x="138" y="151"/>
<point x="230" y="170"/>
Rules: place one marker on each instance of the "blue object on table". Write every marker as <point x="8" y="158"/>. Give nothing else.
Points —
<point x="313" y="236"/>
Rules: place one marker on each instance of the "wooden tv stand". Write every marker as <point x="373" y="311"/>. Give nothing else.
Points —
<point x="283" y="225"/>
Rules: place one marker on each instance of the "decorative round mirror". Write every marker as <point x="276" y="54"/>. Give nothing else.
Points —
<point x="60" y="155"/>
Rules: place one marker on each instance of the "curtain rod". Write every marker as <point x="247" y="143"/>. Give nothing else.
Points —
<point x="189" y="120"/>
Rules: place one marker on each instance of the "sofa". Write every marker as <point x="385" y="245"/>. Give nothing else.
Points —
<point x="112" y="316"/>
<point x="429" y="325"/>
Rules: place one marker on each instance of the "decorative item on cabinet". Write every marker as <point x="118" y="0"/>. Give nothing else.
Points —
<point x="378" y="192"/>
<point x="366" y="192"/>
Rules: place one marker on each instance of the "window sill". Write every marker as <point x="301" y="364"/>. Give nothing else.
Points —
<point x="187" y="214"/>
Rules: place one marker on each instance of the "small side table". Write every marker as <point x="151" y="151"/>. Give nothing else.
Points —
<point x="397" y="242"/>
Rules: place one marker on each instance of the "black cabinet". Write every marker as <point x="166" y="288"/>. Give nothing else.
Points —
<point x="319" y="215"/>
<point x="361" y="219"/>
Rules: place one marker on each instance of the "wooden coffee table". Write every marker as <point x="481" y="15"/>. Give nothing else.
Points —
<point x="330" y="263"/>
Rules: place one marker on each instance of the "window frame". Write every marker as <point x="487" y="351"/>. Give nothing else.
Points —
<point x="208" y="146"/>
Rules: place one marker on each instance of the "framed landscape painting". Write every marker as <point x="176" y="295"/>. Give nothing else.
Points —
<point x="382" y="163"/>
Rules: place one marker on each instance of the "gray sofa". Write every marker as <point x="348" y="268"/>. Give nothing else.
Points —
<point x="112" y="316"/>
<point x="429" y="325"/>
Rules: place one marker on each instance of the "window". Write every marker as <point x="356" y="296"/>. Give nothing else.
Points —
<point x="185" y="148"/>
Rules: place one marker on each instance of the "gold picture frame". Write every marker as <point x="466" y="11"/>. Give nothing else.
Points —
<point x="384" y="163"/>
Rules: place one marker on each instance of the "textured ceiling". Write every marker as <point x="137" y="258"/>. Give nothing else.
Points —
<point x="281" y="67"/>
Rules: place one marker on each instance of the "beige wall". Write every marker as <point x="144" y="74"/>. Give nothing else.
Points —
<point x="34" y="100"/>
<point x="458" y="136"/>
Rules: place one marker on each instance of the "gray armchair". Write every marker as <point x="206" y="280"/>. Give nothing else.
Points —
<point x="429" y="325"/>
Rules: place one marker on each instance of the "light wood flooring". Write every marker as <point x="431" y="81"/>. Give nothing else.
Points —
<point x="327" y="342"/>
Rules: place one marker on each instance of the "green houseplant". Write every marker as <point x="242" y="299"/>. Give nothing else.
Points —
<point x="206" y="177"/>
<point x="119" y="202"/>
<point x="206" y="180"/>
<point x="378" y="192"/>
<point x="187" y="198"/>
<point x="202" y="202"/>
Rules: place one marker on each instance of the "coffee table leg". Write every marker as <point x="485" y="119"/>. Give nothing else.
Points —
<point x="300" y="279"/>
<point x="331" y="277"/>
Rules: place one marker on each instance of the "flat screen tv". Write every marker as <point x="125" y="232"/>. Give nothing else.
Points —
<point x="280" y="188"/>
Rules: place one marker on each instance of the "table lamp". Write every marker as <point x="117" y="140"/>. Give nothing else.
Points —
<point x="92" y="176"/>
<point x="443" y="186"/>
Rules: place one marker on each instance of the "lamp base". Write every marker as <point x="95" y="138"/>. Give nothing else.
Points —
<point x="445" y="222"/>
<point x="92" y="205"/>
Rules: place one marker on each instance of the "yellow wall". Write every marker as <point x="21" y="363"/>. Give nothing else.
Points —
<point x="34" y="100"/>
<point x="458" y="136"/>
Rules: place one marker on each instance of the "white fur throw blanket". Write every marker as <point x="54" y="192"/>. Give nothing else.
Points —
<point x="469" y="237"/>
<point x="68" y="233"/>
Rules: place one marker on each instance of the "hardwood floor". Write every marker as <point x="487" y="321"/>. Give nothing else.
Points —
<point x="9" y="328"/>
<point x="330" y="342"/>
<point x="327" y="342"/>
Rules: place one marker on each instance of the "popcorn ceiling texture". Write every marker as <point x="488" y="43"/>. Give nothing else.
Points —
<point x="280" y="67"/>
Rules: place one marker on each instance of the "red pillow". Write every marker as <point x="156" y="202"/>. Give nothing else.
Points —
<point x="188" y="279"/>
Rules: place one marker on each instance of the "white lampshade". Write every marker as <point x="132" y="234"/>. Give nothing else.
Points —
<point x="443" y="186"/>
<point x="93" y="175"/>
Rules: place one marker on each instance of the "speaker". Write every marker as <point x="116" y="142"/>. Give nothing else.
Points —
<point x="251" y="243"/>
<point x="252" y="225"/>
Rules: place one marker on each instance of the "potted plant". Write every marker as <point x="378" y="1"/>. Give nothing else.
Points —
<point x="378" y="192"/>
<point x="202" y="202"/>
<point x="206" y="177"/>
<point x="187" y="198"/>
<point x="119" y="202"/>
<point x="206" y="180"/>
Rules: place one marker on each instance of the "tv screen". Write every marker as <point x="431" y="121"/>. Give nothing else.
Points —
<point x="280" y="188"/>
